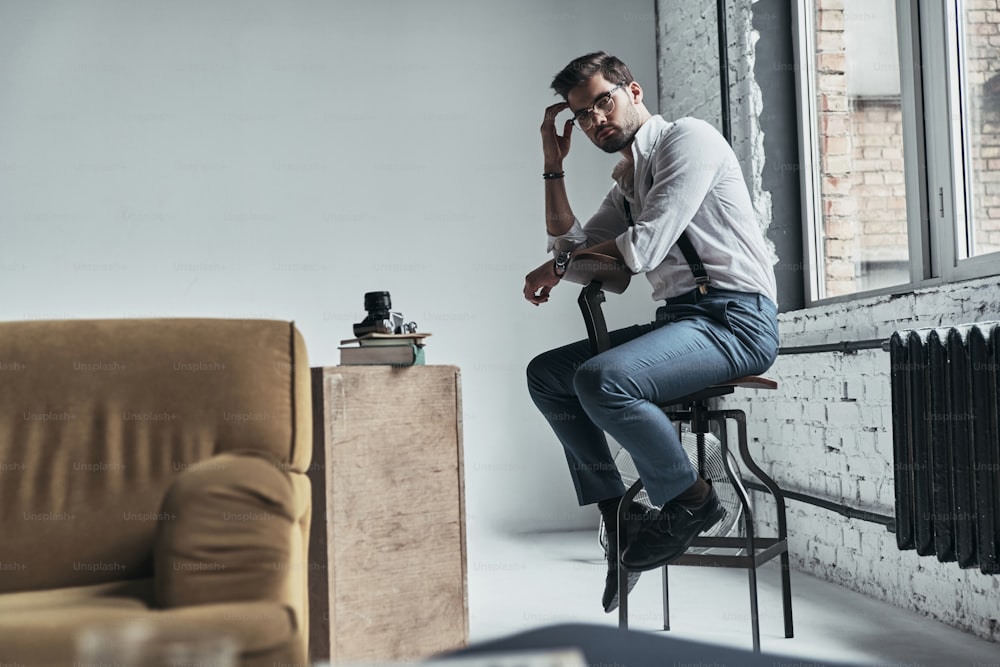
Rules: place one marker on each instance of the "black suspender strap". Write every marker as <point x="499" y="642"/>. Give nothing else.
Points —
<point x="694" y="261"/>
<point x="701" y="278"/>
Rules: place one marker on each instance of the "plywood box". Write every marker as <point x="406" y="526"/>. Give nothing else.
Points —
<point x="388" y="454"/>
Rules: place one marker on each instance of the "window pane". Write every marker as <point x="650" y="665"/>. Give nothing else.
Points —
<point x="863" y="234"/>
<point x="980" y="74"/>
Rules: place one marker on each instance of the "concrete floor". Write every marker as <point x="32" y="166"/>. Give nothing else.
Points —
<point x="521" y="582"/>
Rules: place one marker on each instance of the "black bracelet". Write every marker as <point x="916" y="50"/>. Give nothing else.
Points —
<point x="549" y="175"/>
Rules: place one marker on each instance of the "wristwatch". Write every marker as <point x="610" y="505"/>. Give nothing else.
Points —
<point x="561" y="263"/>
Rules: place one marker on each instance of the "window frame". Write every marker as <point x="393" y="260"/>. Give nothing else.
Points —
<point x="934" y="168"/>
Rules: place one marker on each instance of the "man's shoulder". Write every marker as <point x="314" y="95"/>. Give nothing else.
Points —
<point x="683" y="136"/>
<point x="689" y="126"/>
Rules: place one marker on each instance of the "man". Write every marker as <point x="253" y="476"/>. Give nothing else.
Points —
<point x="678" y="182"/>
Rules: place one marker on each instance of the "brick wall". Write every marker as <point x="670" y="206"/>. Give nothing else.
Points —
<point x="689" y="80"/>
<point x="838" y="203"/>
<point x="827" y="432"/>
<point x="876" y="179"/>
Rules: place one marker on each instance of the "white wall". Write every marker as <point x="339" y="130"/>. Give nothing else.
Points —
<point x="260" y="159"/>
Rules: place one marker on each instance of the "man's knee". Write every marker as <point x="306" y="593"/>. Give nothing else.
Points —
<point x="541" y="373"/>
<point x="599" y="383"/>
<point x="536" y="368"/>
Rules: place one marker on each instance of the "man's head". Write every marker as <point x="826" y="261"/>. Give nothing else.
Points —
<point x="583" y="68"/>
<point x="605" y="99"/>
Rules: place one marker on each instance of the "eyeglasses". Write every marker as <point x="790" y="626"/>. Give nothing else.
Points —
<point x="604" y="105"/>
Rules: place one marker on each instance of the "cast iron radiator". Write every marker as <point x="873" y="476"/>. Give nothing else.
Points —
<point x="945" y="443"/>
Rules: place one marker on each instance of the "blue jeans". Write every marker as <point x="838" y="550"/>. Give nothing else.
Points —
<point x="696" y="341"/>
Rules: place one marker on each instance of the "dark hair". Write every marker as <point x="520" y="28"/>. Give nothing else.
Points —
<point x="583" y="68"/>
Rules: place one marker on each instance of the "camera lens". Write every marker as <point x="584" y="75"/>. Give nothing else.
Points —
<point x="377" y="302"/>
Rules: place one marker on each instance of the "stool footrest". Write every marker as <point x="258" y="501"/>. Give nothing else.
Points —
<point x="767" y="549"/>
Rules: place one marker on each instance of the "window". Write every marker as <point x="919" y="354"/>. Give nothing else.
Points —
<point x="900" y="123"/>
<point x="978" y="45"/>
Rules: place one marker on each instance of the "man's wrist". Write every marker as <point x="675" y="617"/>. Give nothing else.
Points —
<point x="561" y="263"/>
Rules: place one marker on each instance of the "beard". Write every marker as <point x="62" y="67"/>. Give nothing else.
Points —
<point x="622" y="135"/>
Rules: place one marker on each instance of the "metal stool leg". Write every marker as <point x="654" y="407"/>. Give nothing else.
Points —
<point x="749" y="528"/>
<point x="779" y="501"/>
<point x="666" y="600"/>
<point x="786" y="594"/>
<point x="754" y="615"/>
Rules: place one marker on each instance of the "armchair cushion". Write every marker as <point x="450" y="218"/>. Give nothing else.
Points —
<point x="225" y="533"/>
<point x="45" y="636"/>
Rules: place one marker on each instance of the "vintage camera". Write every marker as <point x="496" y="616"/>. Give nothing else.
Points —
<point x="381" y="318"/>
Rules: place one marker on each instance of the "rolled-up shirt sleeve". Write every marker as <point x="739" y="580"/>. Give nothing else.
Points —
<point x="575" y="237"/>
<point x="606" y="223"/>
<point x="685" y="168"/>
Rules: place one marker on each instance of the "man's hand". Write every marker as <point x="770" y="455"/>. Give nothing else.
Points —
<point x="539" y="283"/>
<point x="555" y="148"/>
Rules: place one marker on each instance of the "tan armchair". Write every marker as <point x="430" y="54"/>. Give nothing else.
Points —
<point x="153" y="469"/>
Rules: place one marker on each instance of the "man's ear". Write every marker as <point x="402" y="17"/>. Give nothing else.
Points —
<point x="635" y="90"/>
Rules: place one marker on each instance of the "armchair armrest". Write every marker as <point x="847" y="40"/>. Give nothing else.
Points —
<point x="228" y="534"/>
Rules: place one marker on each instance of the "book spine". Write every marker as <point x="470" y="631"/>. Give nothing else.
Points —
<point x="394" y="355"/>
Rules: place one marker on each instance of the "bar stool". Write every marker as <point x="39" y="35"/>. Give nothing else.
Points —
<point x="598" y="273"/>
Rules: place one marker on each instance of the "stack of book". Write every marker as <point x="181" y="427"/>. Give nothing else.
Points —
<point x="384" y="349"/>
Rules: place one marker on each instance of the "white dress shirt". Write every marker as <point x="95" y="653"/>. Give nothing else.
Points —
<point x="686" y="178"/>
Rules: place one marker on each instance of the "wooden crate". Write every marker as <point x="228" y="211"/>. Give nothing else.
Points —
<point x="389" y="515"/>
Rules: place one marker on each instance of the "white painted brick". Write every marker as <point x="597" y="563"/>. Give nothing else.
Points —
<point x="871" y="544"/>
<point x="885" y="490"/>
<point x="843" y="412"/>
<point x="825" y="553"/>
<point x="870" y="421"/>
<point x="876" y="388"/>
<point x="823" y="533"/>
<point x="815" y="412"/>
<point x="884" y="443"/>
<point x="861" y="465"/>
<point x="867" y="491"/>
<point x="852" y="540"/>
<point x="833" y="487"/>
<point x="802" y="388"/>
